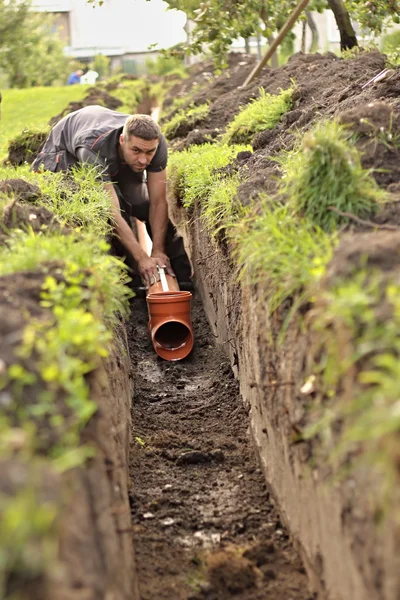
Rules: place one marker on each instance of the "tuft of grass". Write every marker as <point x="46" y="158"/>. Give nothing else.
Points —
<point x="190" y="116"/>
<point x="325" y="173"/>
<point x="356" y="326"/>
<point x="77" y="199"/>
<point x="192" y="172"/>
<point x="286" y="254"/>
<point x="103" y="274"/>
<point x="262" y="113"/>
<point x="222" y="208"/>
<point x="131" y="93"/>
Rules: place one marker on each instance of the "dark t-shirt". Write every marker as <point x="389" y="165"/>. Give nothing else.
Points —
<point x="91" y="135"/>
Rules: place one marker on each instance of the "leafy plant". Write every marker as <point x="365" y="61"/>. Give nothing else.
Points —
<point x="324" y="175"/>
<point x="356" y="326"/>
<point x="192" y="172"/>
<point x="191" y="116"/>
<point x="285" y="253"/>
<point x="262" y="113"/>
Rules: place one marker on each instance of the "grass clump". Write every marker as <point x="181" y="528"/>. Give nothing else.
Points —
<point x="222" y="208"/>
<point x="325" y="175"/>
<point x="262" y="113"/>
<point x="356" y="325"/>
<point x="131" y="93"/>
<point x="189" y="117"/>
<point x="286" y="254"/>
<point x="77" y="198"/>
<point x="192" y="173"/>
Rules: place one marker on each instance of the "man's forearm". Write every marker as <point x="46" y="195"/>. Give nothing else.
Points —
<point x="127" y="237"/>
<point x="158" y="217"/>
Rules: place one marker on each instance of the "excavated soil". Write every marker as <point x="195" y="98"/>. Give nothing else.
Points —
<point x="205" y="524"/>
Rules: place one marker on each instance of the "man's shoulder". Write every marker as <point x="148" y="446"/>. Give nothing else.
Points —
<point x="160" y="159"/>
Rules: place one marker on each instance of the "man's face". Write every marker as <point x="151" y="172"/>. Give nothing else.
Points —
<point x="137" y="153"/>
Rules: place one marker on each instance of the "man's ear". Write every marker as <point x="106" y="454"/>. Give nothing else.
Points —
<point x="121" y="138"/>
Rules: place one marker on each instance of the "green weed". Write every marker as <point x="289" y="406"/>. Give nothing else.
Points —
<point x="78" y="200"/>
<point x="325" y="175"/>
<point x="193" y="172"/>
<point x="357" y="325"/>
<point x="262" y="113"/>
<point x="190" y="116"/>
<point x="286" y="254"/>
<point x="222" y="207"/>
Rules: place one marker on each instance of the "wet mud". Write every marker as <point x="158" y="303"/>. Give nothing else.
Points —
<point x="205" y="525"/>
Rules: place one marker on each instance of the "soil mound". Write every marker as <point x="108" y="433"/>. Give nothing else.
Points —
<point x="95" y="96"/>
<point x="21" y="190"/>
<point x="25" y="147"/>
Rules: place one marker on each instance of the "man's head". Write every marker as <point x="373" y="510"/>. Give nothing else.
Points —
<point x="139" y="141"/>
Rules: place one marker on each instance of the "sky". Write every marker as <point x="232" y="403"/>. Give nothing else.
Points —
<point x="132" y="24"/>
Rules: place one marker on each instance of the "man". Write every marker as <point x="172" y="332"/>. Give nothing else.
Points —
<point x="75" y="77"/>
<point x="131" y="154"/>
<point x="89" y="77"/>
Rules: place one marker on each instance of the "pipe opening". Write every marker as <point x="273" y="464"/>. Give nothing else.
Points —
<point x="172" y="335"/>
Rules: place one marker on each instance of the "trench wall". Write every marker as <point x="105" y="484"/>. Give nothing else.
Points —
<point x="348" y="556"/>
<point x="95" y="542"/>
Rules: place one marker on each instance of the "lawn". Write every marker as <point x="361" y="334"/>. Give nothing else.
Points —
<point x="33" y="108"/>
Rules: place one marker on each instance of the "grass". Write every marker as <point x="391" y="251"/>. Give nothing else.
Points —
<point x="78" y="201"/>
<point x="32" y="109"/>
<point x="324" y="172"/>
<point x="83" y="292"/>
<point x="285" y="254"/>
<point x="222" y="208"/>
<point x="356" y="326"/>
<point x="262" y="113"/>
<point x="191" y="116"/>
<point x="192" y="173"/>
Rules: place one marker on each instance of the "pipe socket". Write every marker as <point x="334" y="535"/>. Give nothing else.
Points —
<point x="170" y="322"/>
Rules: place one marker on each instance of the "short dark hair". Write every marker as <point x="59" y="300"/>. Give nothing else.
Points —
<point x="142" y="126"/>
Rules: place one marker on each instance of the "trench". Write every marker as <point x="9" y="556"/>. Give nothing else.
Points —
<point x="204" y="522"/>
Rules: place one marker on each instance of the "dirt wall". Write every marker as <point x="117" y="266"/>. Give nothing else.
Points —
<point x="347" y="553"/>
<point x="96" y="549"/>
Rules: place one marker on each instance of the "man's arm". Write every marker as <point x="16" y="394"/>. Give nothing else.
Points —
<point x="158" y="216"/>
<point x="147" y="265"/>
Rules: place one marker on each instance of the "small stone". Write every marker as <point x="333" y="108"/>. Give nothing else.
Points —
<point x="32" y="217"/>
<point x="148" y="515"/>
<point x="168" y="522"/>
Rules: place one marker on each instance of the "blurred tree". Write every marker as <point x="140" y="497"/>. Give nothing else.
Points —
<point x="30" y="52"/>
<point x="101" y="64"/>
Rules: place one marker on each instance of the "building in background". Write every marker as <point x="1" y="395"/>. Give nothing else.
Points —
<point x="123" y="30"/>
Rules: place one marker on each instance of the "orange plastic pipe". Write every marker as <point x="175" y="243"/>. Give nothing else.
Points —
<point x="170" y="322"/>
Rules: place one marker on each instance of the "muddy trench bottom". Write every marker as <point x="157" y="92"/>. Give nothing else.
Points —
<point x="204" y="524"/>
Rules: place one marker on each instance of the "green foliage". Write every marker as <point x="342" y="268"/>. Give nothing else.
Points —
<point x="326" y="172"/>
<point x="285" y="253"/>
<point x="356" y="325"/>
<point x="30" y="53"/>
<point x="101" y="64"/>
<point x="77" y="200"/>
<point x="191" y="116"/>
<point x="131" y="93"/>
<point x="166" y="64"/>
<point x="192" y="173"/>
<point x="391" y="46"/>
<point x="27" y="526"/>
<point x="263" y="113"/>
<point x="222" y="208"/>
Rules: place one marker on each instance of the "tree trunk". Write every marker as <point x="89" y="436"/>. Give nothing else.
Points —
<point x="247" y="45"/>
<point x="347" y="34"/>
<point x="303" y="37"/>
<point x="314" y="31"/>
<point x="274" y="57"/>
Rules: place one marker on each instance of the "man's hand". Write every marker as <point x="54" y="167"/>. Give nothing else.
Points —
<point x="163" y="261"/>
<point x="147" y="266"/>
